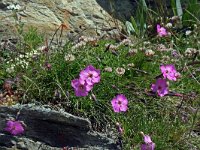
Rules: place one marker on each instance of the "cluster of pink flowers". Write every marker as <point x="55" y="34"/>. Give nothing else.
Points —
<point x="90" y="76"/>
<point x="161" y="31"/>
<point x="14" y="127"/>
<point x="87" y="78"/>
<point x="161" y="87"/>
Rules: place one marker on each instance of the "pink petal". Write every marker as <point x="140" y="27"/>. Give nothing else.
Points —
<point x="150" y="146"/>
<point x="162" y="68"/>
<point x="147" y="139"/>
<point x="96" y="80"/>
<point x="79" y="93"/>
<point x="123" y="108"/>
<point x="75" y="83"/>
<point x="153" y="87"/>
<point x="89" y="87"/>
<point x="158" y="27"/>
<point x="90" y="67"/>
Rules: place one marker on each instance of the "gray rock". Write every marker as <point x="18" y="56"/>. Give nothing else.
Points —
<point x="51" y="129"/>
<point x="88" y="16"/>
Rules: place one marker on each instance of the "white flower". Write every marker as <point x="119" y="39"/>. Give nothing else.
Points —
<point x="132" y="52"/>
<point x="120" y="71"/>
<point x="131" y="65"/>
<point x="14" y="7"/>
<point x="168" y="25"/>
<point x="17" y="7"/>
<point x="82" y="38"/>
<point x="69" y="57"/>
<point x="149" y="52"/>
<point x="21" y="56"/>
<point x="126" y="42"/>
<point x="11" y="69"/>
<point x="79" y="45"/>
<point x="190" y="52"/>
<point x="146" y="43"/>
<point x="87" y="39"/>
<point x="149" y="26"/>
<point x="108" y="69"/>
<point x="111" y="47"/>
<point x="91" y="39"/>
<point x="42" y="48"/>
<point x="188" y="32"/>
<point x="162" y="47"/>
<point x="175" y="18"/>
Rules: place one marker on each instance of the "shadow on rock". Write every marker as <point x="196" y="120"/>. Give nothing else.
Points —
<point x="53" y="128"/>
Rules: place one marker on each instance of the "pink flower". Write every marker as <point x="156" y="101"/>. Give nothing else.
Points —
<point x="79" y="88"/>
<point x="148" y="144"/>
<point x="90" y="75"/>
<point x="119" y="103"/>
<point x="169" y="72"/>
<point x="14" y="127"/>
<point x="161" y="31"/>
<point x="119" y="128"/>
<point x="161" y="87"/>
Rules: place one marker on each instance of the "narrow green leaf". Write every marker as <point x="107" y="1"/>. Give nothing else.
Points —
<point x="129" y="27"/>
<point x="173" y="6"/>
<point x="134" y="24"/>
<point x="179" y="8"/>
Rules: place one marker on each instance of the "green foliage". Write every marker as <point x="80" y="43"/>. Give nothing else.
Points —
<point x="32" y="38"/>
<point x="191" y="14"/>
<point x="173" y="6"/>
<point x="139" y="22"/>
<point x="156" y="116"/>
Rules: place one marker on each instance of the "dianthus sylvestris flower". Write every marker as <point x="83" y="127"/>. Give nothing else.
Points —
<point x="161" y="31"/>
<point x="90" y="75"/>
<point x="79" y="88"/>
<point x="87" y="78"/>
<point x="14" y="127"/>
<point x="169" y="72"/>
<point x="148" y="144"/>
<point x="161" y="87"/>
<point x="119" y="103"/>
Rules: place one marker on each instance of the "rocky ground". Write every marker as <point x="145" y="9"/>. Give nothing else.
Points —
<point x="49" y="129"/>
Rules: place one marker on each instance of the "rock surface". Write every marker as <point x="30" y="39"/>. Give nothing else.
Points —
<point x="51" y="129"/>
<point x="77" y="15"/>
